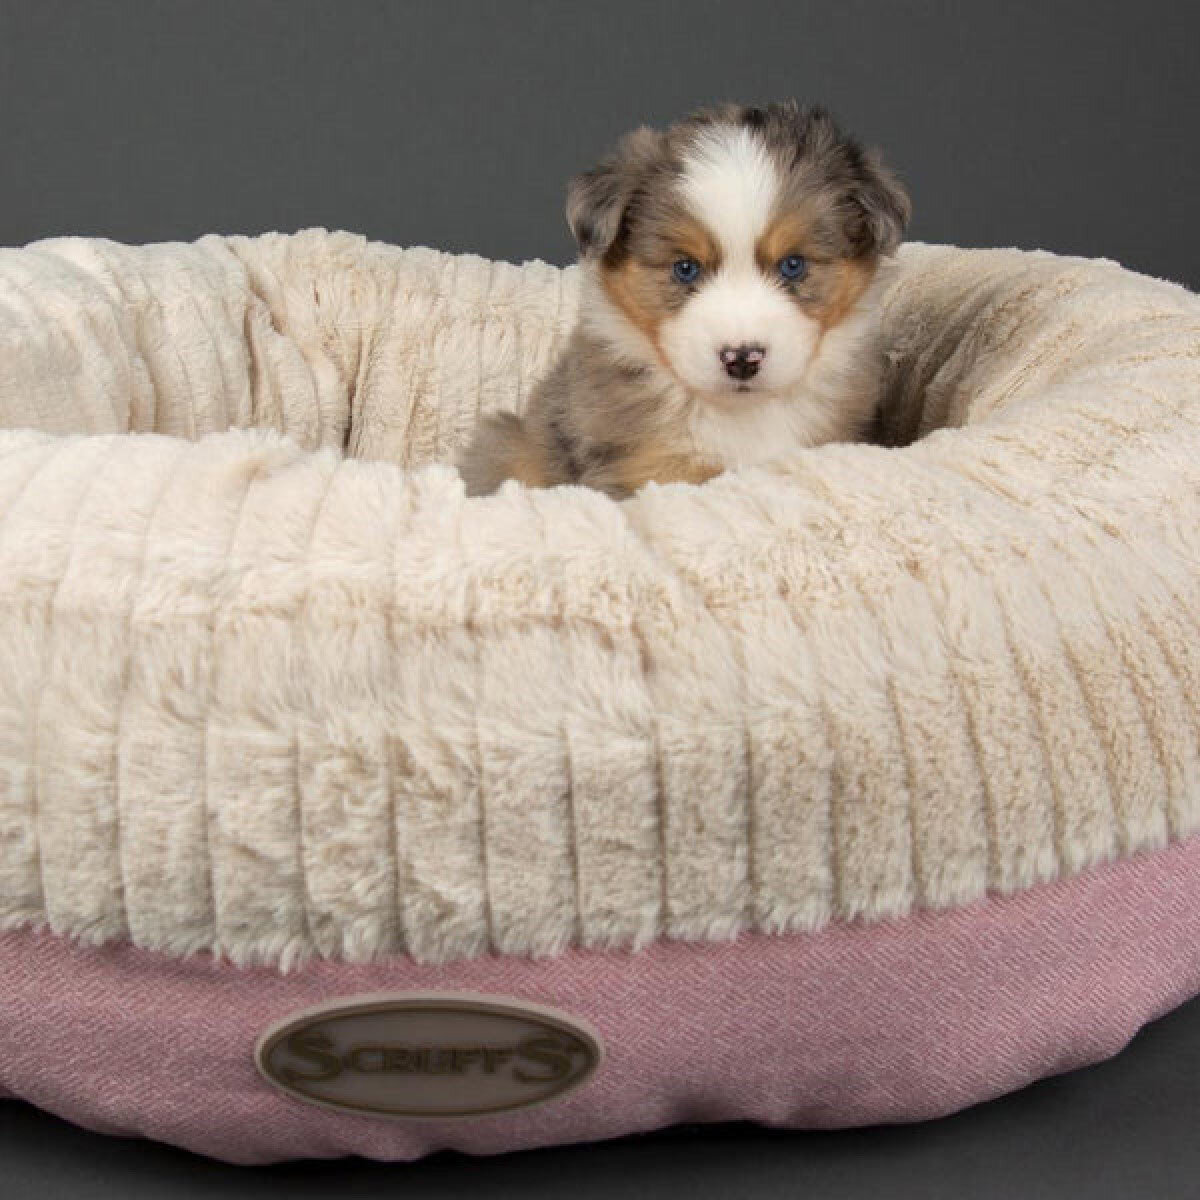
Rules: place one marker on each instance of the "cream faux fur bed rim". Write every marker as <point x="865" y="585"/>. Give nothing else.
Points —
<point x="263" y="697"/>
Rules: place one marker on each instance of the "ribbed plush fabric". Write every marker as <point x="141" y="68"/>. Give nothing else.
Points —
<point x="271" y="686"/>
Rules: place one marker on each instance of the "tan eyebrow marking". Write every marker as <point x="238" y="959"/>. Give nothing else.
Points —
<point x="790" y="233"/>
<point x="690" y="238"/>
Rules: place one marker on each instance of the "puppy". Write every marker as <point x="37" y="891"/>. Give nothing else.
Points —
<point x="729" y="312"/>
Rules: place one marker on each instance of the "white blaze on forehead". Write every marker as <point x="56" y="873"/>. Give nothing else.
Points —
<point x="730" y="181"/>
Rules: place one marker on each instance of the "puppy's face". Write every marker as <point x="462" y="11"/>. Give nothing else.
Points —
<point x="729" y="244"/>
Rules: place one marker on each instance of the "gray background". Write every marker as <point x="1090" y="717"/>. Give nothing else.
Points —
<point x="1065" y="126"/>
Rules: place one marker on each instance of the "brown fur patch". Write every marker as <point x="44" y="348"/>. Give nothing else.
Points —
<point x="792" y="232"/>
<point x="654" y="459"/>
<point x="641" y="292"/>
<point x="832" y="287"/>
<point x="639" y="281"/>
<point x="848" y="279"/>
<point x="683" y="236"/>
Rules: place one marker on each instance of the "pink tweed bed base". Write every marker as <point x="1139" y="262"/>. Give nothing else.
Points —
<point x="857" y="1024"/>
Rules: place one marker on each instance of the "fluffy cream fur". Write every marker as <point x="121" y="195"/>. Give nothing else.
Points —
<point x="262" y="696"/>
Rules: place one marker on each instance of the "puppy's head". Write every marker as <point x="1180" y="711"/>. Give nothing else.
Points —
<point x="729" y="244"/>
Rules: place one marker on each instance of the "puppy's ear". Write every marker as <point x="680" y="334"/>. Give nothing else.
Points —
<point x="875" y="208"/>
<point x="878" y="209"/>
<point x="598" y="199"/>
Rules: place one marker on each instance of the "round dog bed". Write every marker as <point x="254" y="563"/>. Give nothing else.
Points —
<point x="859" y="789"/>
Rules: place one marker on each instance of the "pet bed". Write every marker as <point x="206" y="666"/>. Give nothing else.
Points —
<point x="859" y="789"/>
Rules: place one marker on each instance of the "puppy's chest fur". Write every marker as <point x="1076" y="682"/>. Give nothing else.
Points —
<point x="614" y="427"/>
<point x="757" y="432"/>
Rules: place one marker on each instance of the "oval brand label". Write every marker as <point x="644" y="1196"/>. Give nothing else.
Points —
<point x="428" y="1055"/>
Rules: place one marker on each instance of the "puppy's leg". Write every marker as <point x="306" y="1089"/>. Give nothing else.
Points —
<point x="625" y="474"/>
<point x="505" y="447"/>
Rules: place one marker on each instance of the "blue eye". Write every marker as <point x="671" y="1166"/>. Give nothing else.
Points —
<point x="686" y="270"/>
<point x="793" y="267"/>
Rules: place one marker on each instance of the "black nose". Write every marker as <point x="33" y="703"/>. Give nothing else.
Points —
<point x="742" y="362"/>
